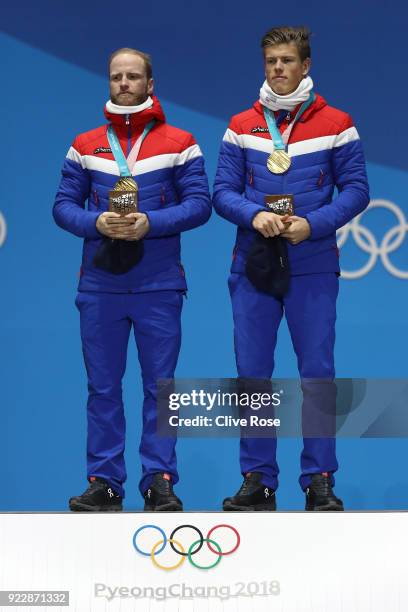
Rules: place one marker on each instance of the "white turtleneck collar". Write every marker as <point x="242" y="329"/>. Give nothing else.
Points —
<point x="275" y="102"/>
<point x="116" y="109"/>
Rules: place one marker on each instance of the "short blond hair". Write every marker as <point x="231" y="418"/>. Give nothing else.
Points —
<point x="145" y="57"/>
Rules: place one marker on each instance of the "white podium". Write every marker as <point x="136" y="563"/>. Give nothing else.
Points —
<point x="286" y="562"/>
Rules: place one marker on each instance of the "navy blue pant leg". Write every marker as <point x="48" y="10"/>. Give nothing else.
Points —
<point x="156" y="319"/>
<point x="106" y="321"/>
<point x="105" y="329"/>
<point x="256" y="321"/>
<point x="310" y="310"/>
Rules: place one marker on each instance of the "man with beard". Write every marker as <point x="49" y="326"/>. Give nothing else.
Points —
<point x="291" y="148"/>
<point x="131" y="274"/>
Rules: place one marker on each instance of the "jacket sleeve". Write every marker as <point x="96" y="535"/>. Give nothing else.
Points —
<point x="350" y="177"/>
<point x="69" y="208"/>
<point x="229" y="186"/>
<point x="194" y="207"/>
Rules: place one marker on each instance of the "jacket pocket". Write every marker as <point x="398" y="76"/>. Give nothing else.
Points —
<point x="93" y="200"/>
<point x="182" y="271"/>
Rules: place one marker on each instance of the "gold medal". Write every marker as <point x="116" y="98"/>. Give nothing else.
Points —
<point x="125" y="183"/>
<point x="278" y="162"/>
<point x="123" y="197"/>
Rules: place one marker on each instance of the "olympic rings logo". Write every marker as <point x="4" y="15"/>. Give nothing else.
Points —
<point x="3" y="230"/>
<point x="365" y="239"/>
<point x="179" y="549"/>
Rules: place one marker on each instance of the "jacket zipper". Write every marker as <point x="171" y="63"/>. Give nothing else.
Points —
<point x="127" y="120"/>
<point x="284" y="177"/>
<point x="285" y="174"/>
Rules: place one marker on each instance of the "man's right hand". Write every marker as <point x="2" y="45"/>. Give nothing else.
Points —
<point x="111" y="224"/>
<point x="269" y="224"/>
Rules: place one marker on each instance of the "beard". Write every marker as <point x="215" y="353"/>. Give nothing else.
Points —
<point x="129" y="99"/>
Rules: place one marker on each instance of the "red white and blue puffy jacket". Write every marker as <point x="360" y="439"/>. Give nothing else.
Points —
<point x="173" y="192"/>
<point x="326" y="152"/>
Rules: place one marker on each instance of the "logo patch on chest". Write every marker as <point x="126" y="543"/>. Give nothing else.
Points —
<point x="102" y="150"/>
<point x="259" y="130"/>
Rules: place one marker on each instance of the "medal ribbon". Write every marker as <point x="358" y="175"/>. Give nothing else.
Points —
<point x="281" y="140"/>
<point x="117" y="149"/>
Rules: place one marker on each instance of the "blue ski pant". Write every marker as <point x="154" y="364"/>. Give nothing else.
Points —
<point x="106" y="322"/>
<point x="310" y="311"/>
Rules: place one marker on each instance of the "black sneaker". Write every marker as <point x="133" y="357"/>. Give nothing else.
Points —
<point x="320" y="496"/>
<point x="160" y="496"/>
<point x="253" y="495"/>
<point x="99" y="497"/>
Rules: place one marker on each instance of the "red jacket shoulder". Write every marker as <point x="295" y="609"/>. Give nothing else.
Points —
<point x="86" y="142"/>
<point x="176" y="140"/>
<point x="242" y="122"/>
<point x="339" y="120"/>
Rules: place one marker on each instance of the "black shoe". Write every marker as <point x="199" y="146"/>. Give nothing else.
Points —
<point x="99" y="497"/>
<point x="320" y="496"/>
<point x="253" y="495"/>
<point x="160" y="496"/>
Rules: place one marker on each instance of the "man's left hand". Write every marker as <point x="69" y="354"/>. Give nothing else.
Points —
<point x="136" y="230"/>
<point x="297" y="231"/>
